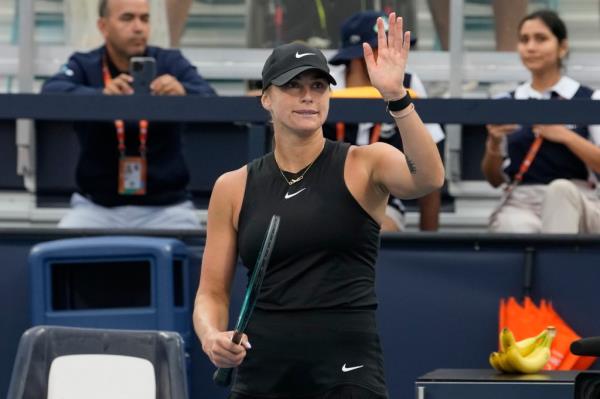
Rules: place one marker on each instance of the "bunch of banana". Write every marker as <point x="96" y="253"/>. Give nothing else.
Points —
<point x="527" y="356"/>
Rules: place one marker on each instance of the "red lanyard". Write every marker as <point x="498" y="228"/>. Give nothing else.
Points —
<point x="535" y="146"/>
<point x="120" y="125"/>
<point x="340" y="132"/>
<point x="533" y="150"/>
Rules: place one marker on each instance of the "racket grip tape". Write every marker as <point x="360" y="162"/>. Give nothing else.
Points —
<point x="222" y="376"/>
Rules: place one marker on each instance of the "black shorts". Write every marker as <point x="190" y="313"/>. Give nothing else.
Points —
<point x="341" y="392"/>
<point x="312" y="355"/>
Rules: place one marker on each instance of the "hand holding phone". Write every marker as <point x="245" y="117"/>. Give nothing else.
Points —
<point x="167" y="85"/>
<point x="143" y="72"/>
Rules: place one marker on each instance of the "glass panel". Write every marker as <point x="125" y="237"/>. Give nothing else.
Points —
<point x="223" y="24"/>
<point x="7" y="32"/>
<point x="49" y="22"/>
<point x="481" y="18"/>
<point x="581" y="18"/>
<point x="7" y="14"/>
<point x="215" y="23"/>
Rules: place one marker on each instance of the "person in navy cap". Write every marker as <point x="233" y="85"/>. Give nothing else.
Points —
<point x="313" y="331"/>
<point x="361" y="28"/>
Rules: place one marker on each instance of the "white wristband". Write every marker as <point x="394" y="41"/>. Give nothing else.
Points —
<point x="403" y="113"/>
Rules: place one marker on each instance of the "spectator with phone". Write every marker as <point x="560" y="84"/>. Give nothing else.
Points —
<point x="136" y="176"/>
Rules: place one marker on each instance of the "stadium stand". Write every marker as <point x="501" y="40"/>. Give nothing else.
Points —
<point x="221" y="23"/>
<point x="446" y="283"/>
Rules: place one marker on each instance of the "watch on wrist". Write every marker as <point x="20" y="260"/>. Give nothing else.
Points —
<point x="399" y="105"/>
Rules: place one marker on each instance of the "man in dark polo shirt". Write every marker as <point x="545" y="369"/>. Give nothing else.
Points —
<point x="130" y="174"/>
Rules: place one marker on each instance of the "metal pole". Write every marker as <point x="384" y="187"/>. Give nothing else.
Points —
<point x="456" y="47"/>
<point x="26" y="46"/>
<point x="25" y="133"/>
<point x="456" y="54"/>
<point x="528" y="269"/>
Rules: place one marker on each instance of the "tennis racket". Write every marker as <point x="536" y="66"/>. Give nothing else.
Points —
<point x="222" y="376"/>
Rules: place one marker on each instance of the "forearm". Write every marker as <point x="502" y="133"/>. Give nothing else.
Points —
<point x="422" y="155"/>
<point x="585" y="150"/>
<point x="491" y="164"/>
<point x="64" y="86"/>
<point x="429" y="207"/>
<point x="187" y="75"/>
<point x="211" y="315"/>
<point x="193" y="83"/>
<point x="196" y="88"/>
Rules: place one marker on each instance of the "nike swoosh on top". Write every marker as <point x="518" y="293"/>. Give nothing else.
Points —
<point x="288" y="195"/>
<point x="300" y="55"/>
<point x="346" y="369"/>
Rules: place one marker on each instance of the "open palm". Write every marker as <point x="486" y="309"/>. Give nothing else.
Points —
<point x="387" y="71"/>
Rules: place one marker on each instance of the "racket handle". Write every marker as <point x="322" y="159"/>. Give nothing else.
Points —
<point x="222" y="377"/>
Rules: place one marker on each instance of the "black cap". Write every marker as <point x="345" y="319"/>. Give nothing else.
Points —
<point x="358" y="29"/>
<point x="289" y="60"/>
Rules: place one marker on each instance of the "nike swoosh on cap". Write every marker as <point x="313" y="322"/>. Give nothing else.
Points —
<point x="300" y="55"/>
<point x="346" y="369"/>
<point x="288" y="195"/>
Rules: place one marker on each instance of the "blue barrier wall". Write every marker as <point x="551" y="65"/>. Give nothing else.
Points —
<point x="438" y="296"/>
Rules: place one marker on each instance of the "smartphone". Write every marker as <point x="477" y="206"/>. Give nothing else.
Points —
<point x="143" y="72"/>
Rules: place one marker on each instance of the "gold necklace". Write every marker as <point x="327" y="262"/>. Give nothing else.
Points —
<point x="299" y="178"/>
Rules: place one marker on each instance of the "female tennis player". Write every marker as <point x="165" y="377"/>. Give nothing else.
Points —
<point x="313" y="333"/>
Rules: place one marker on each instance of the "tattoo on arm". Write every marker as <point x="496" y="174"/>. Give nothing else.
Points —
<point x="411" y="166"/>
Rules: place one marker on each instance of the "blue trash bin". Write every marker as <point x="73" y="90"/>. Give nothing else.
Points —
<point x="122" y="282"/>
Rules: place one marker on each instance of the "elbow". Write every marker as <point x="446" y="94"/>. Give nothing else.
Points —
<point x="492" y="176"/>
<point x="494" y="182"/>
<point x="48" y="87"/>
<point x="433" y="184"/>
<point x="437" y="180"/>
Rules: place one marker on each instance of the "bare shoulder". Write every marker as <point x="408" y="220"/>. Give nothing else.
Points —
<point x="228" y="192"/>
<point x="232" y="181"/>
<point x="371" y="153"/>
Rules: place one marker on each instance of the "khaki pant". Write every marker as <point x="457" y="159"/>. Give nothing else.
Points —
<point x="563" y="206"/>
<point x="85" y="214"/>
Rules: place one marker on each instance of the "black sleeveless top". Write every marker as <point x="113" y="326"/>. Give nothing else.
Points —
<point x="327" y="245"/>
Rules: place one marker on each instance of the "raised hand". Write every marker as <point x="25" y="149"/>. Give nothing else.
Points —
<point x="387" y="71"/>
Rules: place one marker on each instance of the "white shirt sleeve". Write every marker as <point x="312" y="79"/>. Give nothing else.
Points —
<point x="435" y="130"/>
<point x="595" y="129"/>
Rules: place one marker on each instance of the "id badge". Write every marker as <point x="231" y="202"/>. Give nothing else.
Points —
<point x="132" y="176"/>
